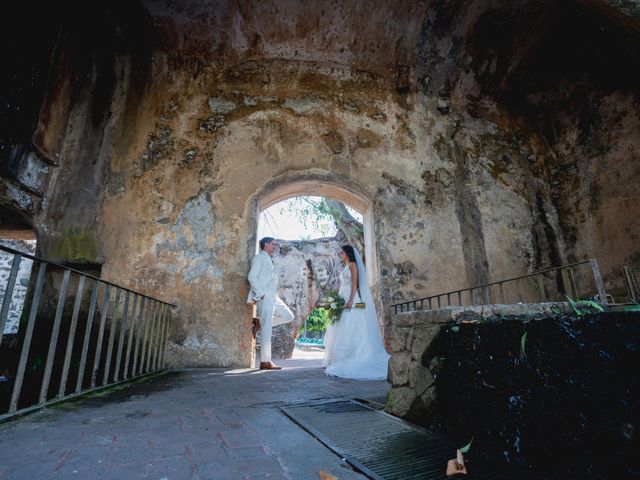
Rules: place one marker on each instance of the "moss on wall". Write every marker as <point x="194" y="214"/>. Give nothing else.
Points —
<point x="75" y="245"/>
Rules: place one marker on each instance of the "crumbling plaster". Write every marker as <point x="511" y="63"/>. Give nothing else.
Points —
<point x="187" y="219"/>
<point x="162" y="131"/>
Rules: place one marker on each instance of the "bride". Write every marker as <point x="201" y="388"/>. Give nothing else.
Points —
<point x="353" y="345"/>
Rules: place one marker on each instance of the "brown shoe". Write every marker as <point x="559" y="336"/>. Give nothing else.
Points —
<point x="269" y="366"/>
<point x="255" y="327"/>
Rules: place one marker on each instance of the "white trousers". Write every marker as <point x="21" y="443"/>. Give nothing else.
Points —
<point x="271" y="311"/>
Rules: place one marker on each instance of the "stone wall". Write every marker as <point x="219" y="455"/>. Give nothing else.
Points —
<point x="305" y="269"/>
<point x="535" y="386"/>
<point x="22" y="280"/>
<point x="162" y="125"/>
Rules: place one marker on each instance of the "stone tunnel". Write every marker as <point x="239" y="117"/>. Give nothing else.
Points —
<point x="485" y="139"/>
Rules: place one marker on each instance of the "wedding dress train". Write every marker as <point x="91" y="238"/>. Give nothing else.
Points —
<point x="353" y="345"/>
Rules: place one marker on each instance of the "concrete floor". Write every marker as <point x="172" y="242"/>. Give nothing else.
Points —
<point x="190" y="424"/>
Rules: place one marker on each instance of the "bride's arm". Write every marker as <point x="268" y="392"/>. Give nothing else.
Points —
<point x="354" y="284"/>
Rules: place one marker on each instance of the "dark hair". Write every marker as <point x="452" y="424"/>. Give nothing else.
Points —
<point x="264" y="241"/>
<point x="348" y="250"/>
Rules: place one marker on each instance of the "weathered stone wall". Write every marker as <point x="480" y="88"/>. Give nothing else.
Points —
<point x="21" y="283"/>
<point x="535" y="386"/>
<point x="305" y="269"/>
<point x="163" y="125"/>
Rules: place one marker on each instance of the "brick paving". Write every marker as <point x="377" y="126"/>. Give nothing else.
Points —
<point x="197" y="424"/>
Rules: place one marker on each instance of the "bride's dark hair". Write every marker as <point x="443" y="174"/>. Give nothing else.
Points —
<point x="348" y="249"/>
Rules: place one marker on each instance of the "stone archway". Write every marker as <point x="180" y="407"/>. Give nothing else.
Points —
<point x="323" y="187"/>
<point x="321" y="184"/>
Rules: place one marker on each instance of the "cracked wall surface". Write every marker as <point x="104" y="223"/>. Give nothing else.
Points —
<point x="492" y="139"/>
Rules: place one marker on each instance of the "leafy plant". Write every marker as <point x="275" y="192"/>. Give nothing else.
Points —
<point x="335" y="306"/>
<point x="467" y="447"/>
<point x="317" y="321"/>
<point x="583" y="307"/>
<point x="315" y="212"/>
<point x="37" y="363"/>
<point x="523" y="343"/>
<point x="593" y="304"/>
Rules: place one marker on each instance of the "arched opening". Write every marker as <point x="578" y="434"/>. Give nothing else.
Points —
<point x="335" y="191"/>
<point x="305" y="261"/>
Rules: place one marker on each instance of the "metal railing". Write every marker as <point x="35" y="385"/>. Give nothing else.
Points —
<point x="107" y="335"/>
<point x="548" y="286"/>
<point x="633" y="287"/>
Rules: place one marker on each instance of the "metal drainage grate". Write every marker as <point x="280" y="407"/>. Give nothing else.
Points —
<point x="377" y="402"/>
<point x="380" y="446"/>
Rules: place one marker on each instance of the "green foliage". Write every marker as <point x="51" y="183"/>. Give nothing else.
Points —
<point x="632" y="308"/>
<point x="583" y="307"/>
<point x="323" y="215"/>
<point x="317" y="213"/>
<point x="37" y="363"/>
<point x="523" y="343"/>
<point x="317" y="321"/>
<point x="334" y="306"/>
<point x="467" y="447"/>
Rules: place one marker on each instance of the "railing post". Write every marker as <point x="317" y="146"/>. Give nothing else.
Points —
<point x="54" y="337"/>
<point x="140" y="324"/>
<point x="112" y="336"/>
<point x="166" y="337"/>
<point x="160" y="336"/>
<point x="630" y="279"/>
<point x="602" y="294"/>
<point x="123" y="328"/>
<point x="566" y="284"/>
<point x="154" y="321"/>
<point x="71" y="337"/>
<point x="145" y="336"/>
<point x="26" y="345"/>
<point x="132" y="325"/>
<point x="541" y="288"/>
<point x="574" y="284"/>
<point x="100" y="340"/>
<point x="87" y="335"/>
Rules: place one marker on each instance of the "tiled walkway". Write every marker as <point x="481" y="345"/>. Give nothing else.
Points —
<point x="191" y="424"/>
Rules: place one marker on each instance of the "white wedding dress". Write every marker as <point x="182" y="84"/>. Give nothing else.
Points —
<point x="353" y="345"/>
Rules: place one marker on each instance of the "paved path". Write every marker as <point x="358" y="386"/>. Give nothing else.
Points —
<point x="192" y="424"/>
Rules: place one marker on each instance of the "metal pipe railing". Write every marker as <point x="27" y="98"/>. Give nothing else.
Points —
<point x="631" y="281"/>
<point x="73" y="343"/>
<point x="568" y="286"/>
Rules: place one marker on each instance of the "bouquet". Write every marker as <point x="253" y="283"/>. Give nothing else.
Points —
<point x="334" y="306"/>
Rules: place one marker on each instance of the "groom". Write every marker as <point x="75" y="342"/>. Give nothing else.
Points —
<point x="264" y="290"/>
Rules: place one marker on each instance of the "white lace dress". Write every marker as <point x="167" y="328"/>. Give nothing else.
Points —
<point x="353" y="345"/>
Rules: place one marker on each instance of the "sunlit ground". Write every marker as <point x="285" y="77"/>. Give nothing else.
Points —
<point x="308" y="353"/>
